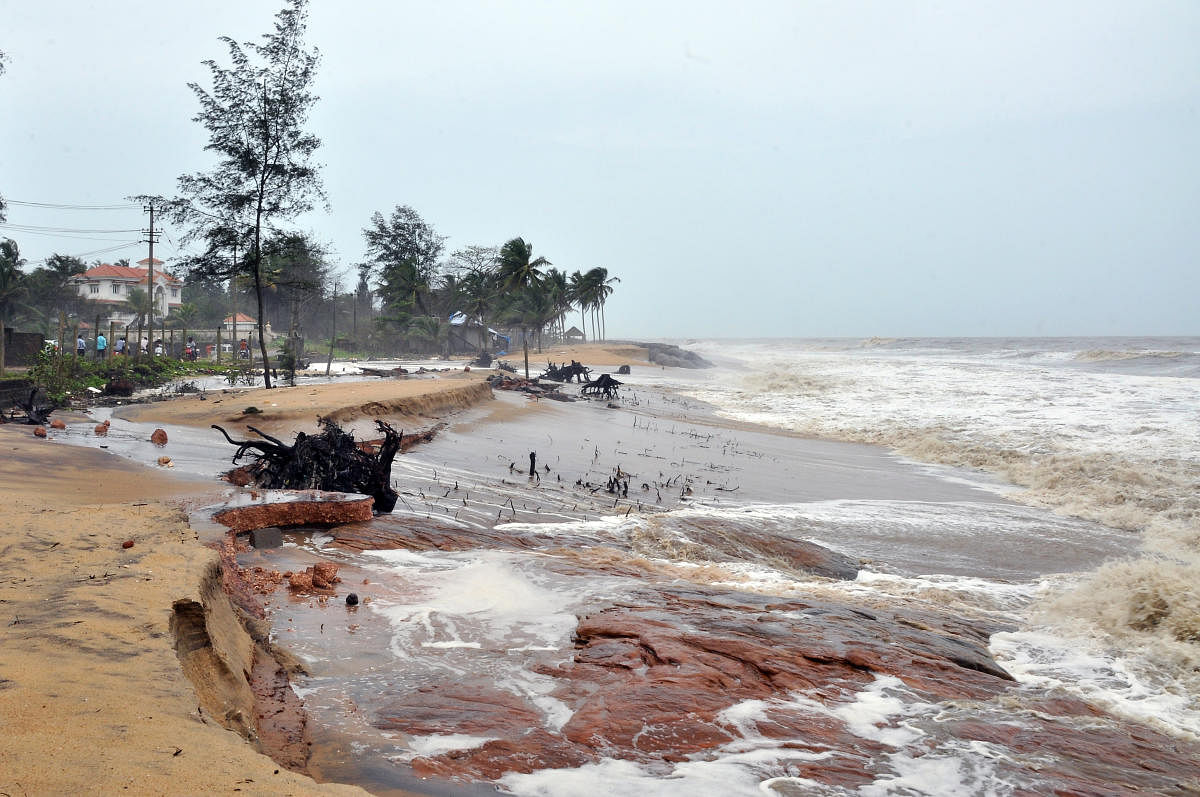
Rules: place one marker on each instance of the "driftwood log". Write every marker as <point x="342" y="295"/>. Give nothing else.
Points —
<point x="605" y="387"/>
<point x="566" y="373"/>
<point x="329" y="460"/>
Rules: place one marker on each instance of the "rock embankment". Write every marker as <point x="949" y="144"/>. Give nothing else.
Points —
<point x="674" y="357"/>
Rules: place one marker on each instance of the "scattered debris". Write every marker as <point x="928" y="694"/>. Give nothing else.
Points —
<point x="39" y="431"/>
<point x="394" y="373"/>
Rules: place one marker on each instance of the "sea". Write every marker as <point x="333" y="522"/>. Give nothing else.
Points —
<point x="1048" y="487"/>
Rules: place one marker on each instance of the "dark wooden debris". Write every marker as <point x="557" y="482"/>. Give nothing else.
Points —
<point x="36" y="413"/>
<point x="329" y="460"/>
<point x="572" y="372"/>
<point x="604" y="387"/>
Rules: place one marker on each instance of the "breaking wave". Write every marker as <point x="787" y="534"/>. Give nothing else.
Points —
<point x="1101" y="355"/>
<point x="1118" y="448"/>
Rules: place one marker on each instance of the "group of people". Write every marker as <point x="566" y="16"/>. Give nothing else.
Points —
<point x="191" y="350"/>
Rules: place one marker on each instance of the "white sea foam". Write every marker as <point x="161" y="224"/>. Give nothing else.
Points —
<point x="1128" y="683"/>
<point x="445" y="743"/>
<point x="1103" y="430"/>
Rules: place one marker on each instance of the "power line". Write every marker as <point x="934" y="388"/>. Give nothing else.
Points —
<point x="42" y="228"/>
<point x="72" y="237"/>
<point x="66" y="205"/>
<point x="106" y="249"/>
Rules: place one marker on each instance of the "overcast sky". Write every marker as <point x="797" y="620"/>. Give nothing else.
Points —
<point x="747" y="169"/>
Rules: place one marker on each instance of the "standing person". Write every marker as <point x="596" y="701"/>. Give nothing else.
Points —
<point x="145" y="346"/>
<point x="158" y="348"/>
<point x="80" y="346"/>
<point x="101" y="346"/>
<point x="190" y="350"/>
<point x="120" y="347"/>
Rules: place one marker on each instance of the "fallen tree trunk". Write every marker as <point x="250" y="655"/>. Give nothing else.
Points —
<point x="330" y="460"/>
<point x="35" y="414"/>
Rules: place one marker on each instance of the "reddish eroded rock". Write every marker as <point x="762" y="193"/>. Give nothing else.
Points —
<point x="101" y="429"/>
<point x="1100" y="756"/>
<point x="297" y="508"/>
<point x="158" y="437"/>
<point x="749" y="544"/>
<point x="325" y="575"/>
<point x="318" y="578"/>
<point x="474" y="707"/>
<point x="422" y="534"/>
<point x="536" y="749"/>
<point x="650" y="678"/>
<point x="57" y="424"/>
<point x="280" y="719"/>
<point x="39" y="431"/>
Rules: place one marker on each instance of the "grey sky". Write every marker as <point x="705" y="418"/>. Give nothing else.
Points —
<point x="746" y="169"/>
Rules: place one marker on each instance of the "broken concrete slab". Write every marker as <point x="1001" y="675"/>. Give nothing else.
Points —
<point x="259" y="509"/>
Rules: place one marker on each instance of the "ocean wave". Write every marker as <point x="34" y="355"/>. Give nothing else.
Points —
<point x="784" y="379"/>
<point x="1101" y="355"/>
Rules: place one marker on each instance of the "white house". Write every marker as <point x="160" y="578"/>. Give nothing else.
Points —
<point x="110" y="285"/>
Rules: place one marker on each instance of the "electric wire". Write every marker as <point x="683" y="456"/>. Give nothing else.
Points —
<point x="65" y="205"/>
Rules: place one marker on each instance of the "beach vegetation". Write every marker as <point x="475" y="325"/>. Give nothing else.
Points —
<point x="12" y="287"/>
<point x="64" y="377"/>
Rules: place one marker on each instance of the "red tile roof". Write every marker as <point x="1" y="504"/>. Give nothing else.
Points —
<point x="242" y="318"/>
<point x="146" y="260"/>
<point x="107" y="271"/>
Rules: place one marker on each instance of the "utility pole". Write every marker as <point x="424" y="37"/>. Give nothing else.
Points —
<point x="151" y="238"/>
<point x="233" y="339"/>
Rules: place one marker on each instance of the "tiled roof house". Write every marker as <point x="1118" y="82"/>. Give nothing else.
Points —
<point x="110" y="285"/>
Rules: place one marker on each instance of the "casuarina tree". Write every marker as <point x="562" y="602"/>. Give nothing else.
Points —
<point x="256" y="113"/>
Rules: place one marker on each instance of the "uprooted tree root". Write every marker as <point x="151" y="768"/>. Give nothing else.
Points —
<point x="329" y="460"/>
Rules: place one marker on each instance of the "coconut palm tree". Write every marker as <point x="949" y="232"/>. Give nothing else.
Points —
<point x="602" y="288"/>
<point x="519" y="273"/>
<point x="558" y="287"/>
<point x="137" y="301"/>
<point x="12" y="286"/>
<point x="579" y="296"/>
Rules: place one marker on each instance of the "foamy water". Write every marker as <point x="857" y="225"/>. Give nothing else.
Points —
<point x="1107" y="430"/>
